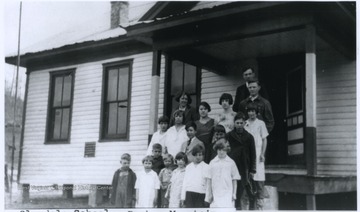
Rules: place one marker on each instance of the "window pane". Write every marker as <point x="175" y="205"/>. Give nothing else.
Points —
<point x="295" y="91"/>
<point x="58" y="91"/>
<point x="112" y="84"/>
<point x="112" y="118"/>
<point x="194" y="102"/>
<point x="174" y="104"/>
<point x="65" y="123"/>
<point x="123" y="83"/>
<point x="122" y="117"/>
<point x="190" y="78"/>
<point x="67" y="90"/>
<point x="57" y="123"/>
<point x="176" y="77"/>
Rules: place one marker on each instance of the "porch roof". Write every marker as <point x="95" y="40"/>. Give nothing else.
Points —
<point x="224" y="33"/>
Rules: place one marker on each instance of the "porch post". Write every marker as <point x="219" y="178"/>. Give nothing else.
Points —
<point x="310" y="100"/>
<point x="154" y="95"/>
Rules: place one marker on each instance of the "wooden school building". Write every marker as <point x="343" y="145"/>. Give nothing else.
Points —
<point x="87" y="102"/>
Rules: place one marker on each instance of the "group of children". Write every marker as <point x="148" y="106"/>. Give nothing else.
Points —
<point x="234" y="174"/>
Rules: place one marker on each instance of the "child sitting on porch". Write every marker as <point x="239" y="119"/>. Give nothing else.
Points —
<point x="165" y="176"/>
<point x="257" y="129"/>
<point x="222" y="184"/>
<point x="158" y="162"/>
<point x="147" y="185"/>
<point x="195" y="180"/>
<point x="158" y="136"/>
<point x="122" y="190"/>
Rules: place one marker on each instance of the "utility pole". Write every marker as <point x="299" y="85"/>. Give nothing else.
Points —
<point x="15" y="101"/>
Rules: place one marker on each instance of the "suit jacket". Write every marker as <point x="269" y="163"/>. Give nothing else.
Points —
<point x="187" y="149"/>
<point x="190" y="114"/>
<point x="242" y="92"/>
<point x="130" y="189"/>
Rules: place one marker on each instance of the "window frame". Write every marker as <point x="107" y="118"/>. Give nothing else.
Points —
<point x="168" y="74"/>
<point x="102" y="131"/>
<point x="49" y="126"/>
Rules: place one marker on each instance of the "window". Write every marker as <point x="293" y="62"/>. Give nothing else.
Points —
<point x="60" y="106"/>
<point x="182" y="76"/>
<point x="116" y="108"/>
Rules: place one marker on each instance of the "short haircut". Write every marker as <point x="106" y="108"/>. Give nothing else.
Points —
<point x="168" y="156"/>
<point x="126" y="156"/>
<point x="198" y="149"/>
<point x="226" y="96"/>
<point x="219" y="128"/>
<point x="163" y="119"/>
<point x="220" y="144"/>
<point x="251" y="107"/>
<point x="190" y="124"/>
<point x="254" y="80"/>
<point x="148" y="158"/>
<point x="206" y="105"/>
<point x="182" y="93"/>
<point x="157" y="146"/>
<point x="239" y="115"/>
<point x="245" y="68"/>
<point x="181" y="156"/>
<point x="179" y="113"/>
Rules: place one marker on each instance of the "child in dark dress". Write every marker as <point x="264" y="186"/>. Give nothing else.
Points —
<point x="122" y="190"/>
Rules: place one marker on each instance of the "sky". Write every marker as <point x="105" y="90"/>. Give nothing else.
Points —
<point x="42" y="20"/>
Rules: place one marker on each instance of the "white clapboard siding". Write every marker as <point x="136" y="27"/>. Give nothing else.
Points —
<point x="213" y="85"/>
<point x="65" y="163"/>
<point x="336" y="114"/>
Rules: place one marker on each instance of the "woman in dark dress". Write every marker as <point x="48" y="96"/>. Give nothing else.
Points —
<point x="205" y="129"/>
<point x="190" y="113"/>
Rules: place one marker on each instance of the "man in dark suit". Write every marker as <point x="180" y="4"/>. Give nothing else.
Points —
<point x="242" y="92"/>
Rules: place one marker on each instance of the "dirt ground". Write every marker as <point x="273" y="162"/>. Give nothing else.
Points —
<point x="49" y="199"/>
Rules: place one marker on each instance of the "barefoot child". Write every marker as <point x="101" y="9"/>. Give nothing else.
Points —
<point x="164" y="177"/>
<point x="147" y="185"/>
<point x="122" y="190"/>
<point x="176" y="182"/>
<point x="223" y="178"/>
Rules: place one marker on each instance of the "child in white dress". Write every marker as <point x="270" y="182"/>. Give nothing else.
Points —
<point x="176" y="181"/>
<point x="222" y="183"/>
<point x="147" y="185"/>
<point x="257" y="129"/>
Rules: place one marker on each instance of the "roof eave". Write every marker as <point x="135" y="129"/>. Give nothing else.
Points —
<point x="25" y="58"/>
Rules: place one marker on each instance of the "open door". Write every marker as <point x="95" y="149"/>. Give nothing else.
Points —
<point x="283" y="78"/>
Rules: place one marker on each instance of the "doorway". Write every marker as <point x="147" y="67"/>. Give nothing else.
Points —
<point x="283" y="78"/>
